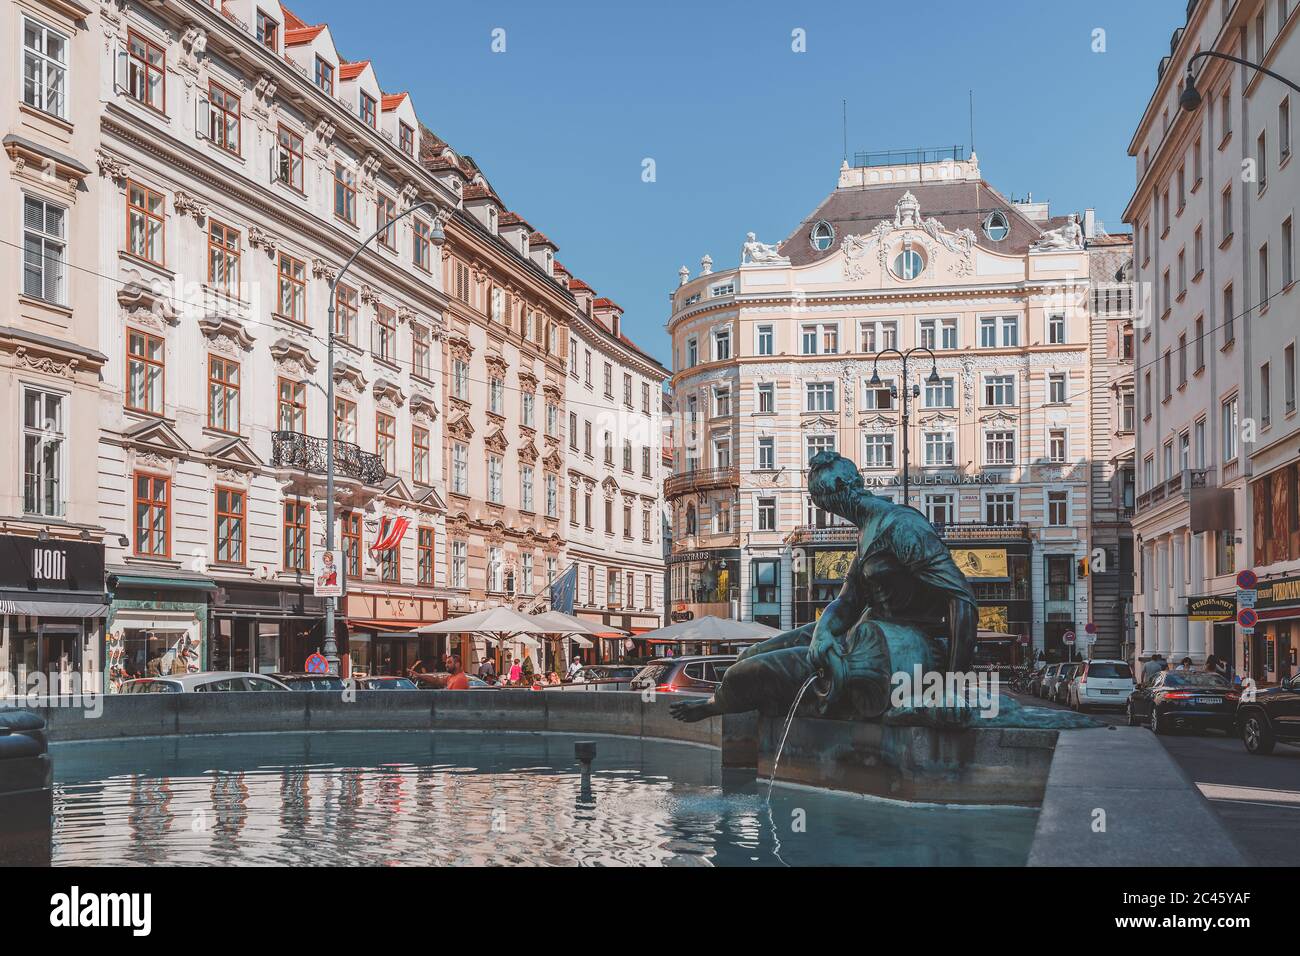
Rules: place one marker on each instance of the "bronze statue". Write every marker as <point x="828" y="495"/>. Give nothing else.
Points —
<point x="904" y="605"/>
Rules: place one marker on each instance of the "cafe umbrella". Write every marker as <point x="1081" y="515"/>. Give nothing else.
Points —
<point x="498" y="624"/>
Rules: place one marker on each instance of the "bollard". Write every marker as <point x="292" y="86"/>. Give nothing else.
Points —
<point x="26" y="791"/>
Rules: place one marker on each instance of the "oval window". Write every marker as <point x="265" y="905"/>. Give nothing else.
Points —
<point x="908" y="264"/>
<point x="822" y="235"/>
<point x="996" y="226"/>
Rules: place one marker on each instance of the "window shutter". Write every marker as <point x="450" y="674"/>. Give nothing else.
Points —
<point x="202" y="117"/>
<point x="119" y="68"/>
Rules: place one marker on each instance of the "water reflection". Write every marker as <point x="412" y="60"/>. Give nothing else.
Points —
<point x="468" y="798"/>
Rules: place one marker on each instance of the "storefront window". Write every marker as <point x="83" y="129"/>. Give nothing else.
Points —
<point x="818" y="577"/>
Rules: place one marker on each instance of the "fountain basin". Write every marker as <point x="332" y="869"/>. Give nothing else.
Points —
<point x="981" y="766"/>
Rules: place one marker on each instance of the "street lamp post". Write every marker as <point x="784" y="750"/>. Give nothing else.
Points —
<point x="1190" y="98"/>
<point x="908" y="394"/>
<point x="436" y="238"/>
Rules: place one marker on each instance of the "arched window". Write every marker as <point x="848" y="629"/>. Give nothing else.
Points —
<point x="691" y="524"/>
<point x="908" y="264"/>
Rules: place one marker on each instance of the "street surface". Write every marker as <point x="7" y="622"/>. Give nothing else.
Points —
<point x="1256" y="798"/>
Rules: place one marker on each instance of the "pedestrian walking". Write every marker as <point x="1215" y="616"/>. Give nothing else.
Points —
<point x="1152" y="667"/>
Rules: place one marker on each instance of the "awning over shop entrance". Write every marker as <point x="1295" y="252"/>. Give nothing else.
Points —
<point x="48" y="604"/>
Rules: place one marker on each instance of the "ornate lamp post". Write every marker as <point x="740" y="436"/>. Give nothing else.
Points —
<point x="909" y="392"/>
<point x="436" y="238"/>
<point x="1190" y="98"/>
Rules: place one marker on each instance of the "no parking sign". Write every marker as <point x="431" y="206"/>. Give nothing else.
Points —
<point x="1247" y="619"/>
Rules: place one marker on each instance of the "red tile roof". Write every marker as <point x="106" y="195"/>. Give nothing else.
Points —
<point x="390" y="101"/>
<point x="291" y="20"/>
<point x="577" y="284"/>
<point x="350" y="71"/>
<point x="537" y="239"/>
<point x="479" y="191"/>
<point x="300" y="35"/>
<point x="604" y="303"/>
<point x="509" y="218"/>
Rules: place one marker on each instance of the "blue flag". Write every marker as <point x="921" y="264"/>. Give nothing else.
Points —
<point x="564" y="589"/>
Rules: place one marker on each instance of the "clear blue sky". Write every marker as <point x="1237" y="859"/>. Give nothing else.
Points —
<point x="746" y="134"/>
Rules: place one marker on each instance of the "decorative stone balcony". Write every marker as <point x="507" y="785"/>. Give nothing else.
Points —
<point x="309" y="453"/>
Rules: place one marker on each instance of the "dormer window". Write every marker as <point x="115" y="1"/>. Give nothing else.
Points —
<point x="822" y="236"/>
<point x="367" y="109"/>
<point x="996" y="226"/>
<point x="268" y="32"/>
<point x="325" y="76"/>
<point x="406" y="139"/>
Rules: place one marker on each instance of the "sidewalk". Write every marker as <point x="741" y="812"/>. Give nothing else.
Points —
<point x="1154" y="815"/>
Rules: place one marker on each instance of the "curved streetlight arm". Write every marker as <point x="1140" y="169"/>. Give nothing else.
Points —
<point x="1237" y="59"/>
<point x="330" y="645"/>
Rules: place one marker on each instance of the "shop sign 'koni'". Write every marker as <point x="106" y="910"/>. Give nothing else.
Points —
<point x="29" y="564"/>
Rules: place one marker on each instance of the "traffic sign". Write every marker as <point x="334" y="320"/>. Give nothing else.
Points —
<point x="316" y="664"/>
<point x="1246" y="598"/>
<point x="1247" y="580"/>
<point x="1090" y="627"/>
<point x="1068" y="637"/>
<point x="1247" y="619"/>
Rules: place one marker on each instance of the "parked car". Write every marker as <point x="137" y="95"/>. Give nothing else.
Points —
<point x="201" y="682"/>
<point x="692" y="675"/>
<point x="1273" y="716"/>
<point x="311" y="681"/>
<point x="1061" y="686"/>
<point x="1183" y="699"/>
<point x="392" y="682"/>
<point x="1048" y="678"/>
<point x="593" y="672"/>
<point x="1101" y="684"/>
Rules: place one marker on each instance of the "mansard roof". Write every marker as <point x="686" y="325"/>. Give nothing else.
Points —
<point x="958" y="205"/>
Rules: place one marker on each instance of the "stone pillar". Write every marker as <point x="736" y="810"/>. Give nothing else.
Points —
<point x="1178" y="597"/>
<point x="1164" y="645"/>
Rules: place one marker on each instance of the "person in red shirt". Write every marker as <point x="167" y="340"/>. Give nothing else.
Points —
<point x="457" y="680"/>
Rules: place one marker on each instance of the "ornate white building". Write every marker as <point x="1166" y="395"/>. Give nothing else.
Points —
<point x="774" y="360"/>
<point x="614" y="399"/>
<point x="1214" y="221"/>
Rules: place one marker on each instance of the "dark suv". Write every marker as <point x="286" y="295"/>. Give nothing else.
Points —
<point x="1274" y="715"/>
<point x="692" y="675"/>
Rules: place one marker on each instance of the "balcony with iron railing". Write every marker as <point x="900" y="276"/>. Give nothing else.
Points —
<point x="301" y="452"/>
<point x="701" y="479"/>
<point x="983" y="530"/>
<point x="828" y="534"/>
<point x="1180" y="485"/>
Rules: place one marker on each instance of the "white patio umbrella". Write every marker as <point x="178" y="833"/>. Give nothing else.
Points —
<point x="716" y="630"/>
<point x="499" y="624"/>
<point x="557" y="622"/>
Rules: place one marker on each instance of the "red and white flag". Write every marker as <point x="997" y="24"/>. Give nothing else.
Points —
<point x="390" y="534"/>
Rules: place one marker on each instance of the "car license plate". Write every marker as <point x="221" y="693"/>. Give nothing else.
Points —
<point x="1209" y="700"/>
<point x="1106" y="690"/>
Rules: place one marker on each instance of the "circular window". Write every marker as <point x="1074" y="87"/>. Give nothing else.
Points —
<point x="996" y="226"/>
<point x="822" y="235"/>
<point x="908" y="264"/>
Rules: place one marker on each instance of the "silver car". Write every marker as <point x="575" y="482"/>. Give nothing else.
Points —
<point x="203" y="682"/>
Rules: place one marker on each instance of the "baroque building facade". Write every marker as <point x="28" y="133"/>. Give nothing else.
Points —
<point x="1213" y="215"/>
<point x="190" y="179"/>
<point x="614" y="403"/>
<point x="52" y="598"/>
<point x="774" y="360"/>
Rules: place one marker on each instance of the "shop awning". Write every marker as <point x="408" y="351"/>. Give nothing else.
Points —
<point x="179" y="579"/>
<point x="48" y="604"/>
